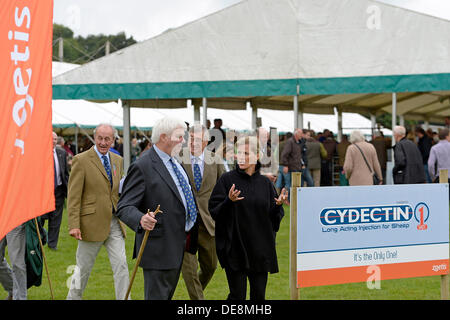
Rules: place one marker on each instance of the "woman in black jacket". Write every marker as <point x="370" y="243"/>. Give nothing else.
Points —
<point x="247" y="212"/>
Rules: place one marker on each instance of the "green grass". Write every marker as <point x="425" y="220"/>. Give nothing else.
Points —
<point x="101" y="285"/>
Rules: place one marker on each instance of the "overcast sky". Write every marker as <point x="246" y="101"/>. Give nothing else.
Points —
<point x="144" y="19"/>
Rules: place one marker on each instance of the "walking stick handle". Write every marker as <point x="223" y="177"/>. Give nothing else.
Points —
<point x="141" y="251"/>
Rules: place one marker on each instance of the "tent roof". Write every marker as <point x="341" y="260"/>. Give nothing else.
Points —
<point x="347" y="53"/>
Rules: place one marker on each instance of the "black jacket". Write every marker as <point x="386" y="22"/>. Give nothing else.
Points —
<point x="425" y="145"/>
<point x="245" y="229"/>
<point x="63" y="168"/>
<point x="408" y="167"/>
<point x="147" y="185"/>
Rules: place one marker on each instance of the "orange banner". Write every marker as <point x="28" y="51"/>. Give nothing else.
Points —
<point x="26" y="160"/>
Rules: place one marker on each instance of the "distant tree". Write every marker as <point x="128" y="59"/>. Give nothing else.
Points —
<point x="84" y="49"/>
<point x="61" y="31"/>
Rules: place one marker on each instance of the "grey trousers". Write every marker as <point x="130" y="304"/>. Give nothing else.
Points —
<point x="87" y="253"/>
<point x="6" y="276"/>
<point x="14" y="279"/>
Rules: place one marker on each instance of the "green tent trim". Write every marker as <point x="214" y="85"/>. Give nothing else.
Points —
<point x="245" y="88"/>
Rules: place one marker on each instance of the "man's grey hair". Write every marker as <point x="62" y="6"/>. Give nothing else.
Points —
<point x="114" y="131"/>
<point x="399" y="130"/>
<point x="166" y="126"/>
<point x="197" y="127"/>
<point x="356" y="136"/>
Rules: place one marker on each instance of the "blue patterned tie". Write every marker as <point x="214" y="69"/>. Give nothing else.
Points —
<point x="107" y="168"/>
<point x="192" y="208"/>
<point x="197" y="176"/>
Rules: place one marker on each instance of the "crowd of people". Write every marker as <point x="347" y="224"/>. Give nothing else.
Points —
<point x="362" y="162"/>
<point x="221" y="195"/>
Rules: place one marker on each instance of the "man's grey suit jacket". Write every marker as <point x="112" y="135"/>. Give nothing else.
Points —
<point x="148" y="184"/>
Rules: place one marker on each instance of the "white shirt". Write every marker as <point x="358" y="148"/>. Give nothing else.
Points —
<point x="57" y="168"/>
<point x="101" y="155"/>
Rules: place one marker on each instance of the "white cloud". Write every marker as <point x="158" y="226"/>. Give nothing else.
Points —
<point x="144" y="19"/>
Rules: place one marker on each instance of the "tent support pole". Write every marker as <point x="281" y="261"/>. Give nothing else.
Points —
<point x="196" y="112"/>
<point x="76" y="140"/>
<point x="254" y="116"/>
<point x="394" y="114"/>
<point x="126" y="137"/>
<point x="339" y="124"/>
<point x="373" y="121"/>
<point x="300" y="118"/>
<point x="401" y="119"/>
<point x="295" y="112"/>
<point x="390" y="164"/>
<point x="205" y="111"/>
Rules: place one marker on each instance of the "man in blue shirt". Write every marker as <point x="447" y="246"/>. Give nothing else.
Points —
<point x="440" y="155"/>
<point x="92" y="199"/>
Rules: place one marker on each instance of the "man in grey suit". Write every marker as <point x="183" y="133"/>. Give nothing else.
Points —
<point x="157" y="178"/>
<point x="204" y="169"/>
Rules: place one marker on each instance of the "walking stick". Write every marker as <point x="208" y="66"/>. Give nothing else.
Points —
<point x="43" y="257"/>
<point x="141" y="251"/>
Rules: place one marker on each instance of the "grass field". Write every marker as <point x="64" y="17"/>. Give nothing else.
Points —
<point x="101" y="286"/>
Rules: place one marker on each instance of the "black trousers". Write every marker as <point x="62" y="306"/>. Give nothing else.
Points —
<point x="237" y="283"/>
<point x="55" y="217"/>
<point x="160" y="284"/>
<point x="326" y="176"/>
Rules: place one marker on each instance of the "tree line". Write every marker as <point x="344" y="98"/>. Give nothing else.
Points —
<point x="84" y="49"/>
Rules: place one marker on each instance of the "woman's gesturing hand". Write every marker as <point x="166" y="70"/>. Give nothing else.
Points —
<point x="233" y="194"/>
<point x="282" y="198"/>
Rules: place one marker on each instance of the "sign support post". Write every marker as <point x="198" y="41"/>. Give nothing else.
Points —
<point x="295" y="183"/>
<point x="443" y="178"/>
